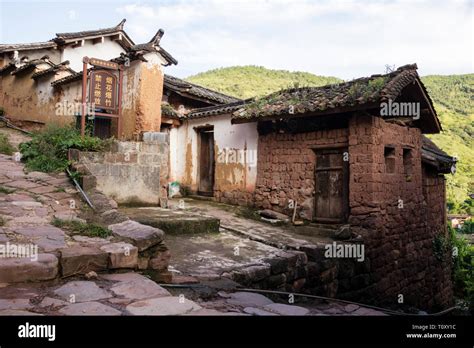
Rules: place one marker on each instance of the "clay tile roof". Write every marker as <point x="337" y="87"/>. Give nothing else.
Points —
<point x="340" y="97"/>
<point x="31" y="65"/>
<point x="168" y="111"/>
<point x="191" y="90"/>
<point x="434" y="156"/>
<point x="97" y="32"/>
<point x="52" y="70"/>
<point x="154" y="46"/>
<point x="26" y="46"/>
<point x="217" y="110"/>
<point x="68" y="79"/>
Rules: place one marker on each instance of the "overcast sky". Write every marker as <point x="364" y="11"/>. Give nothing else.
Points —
<point x="346" y="39"/>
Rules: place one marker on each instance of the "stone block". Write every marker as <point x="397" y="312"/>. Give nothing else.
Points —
<point x="121" y="255"/>
<point x="18" y="270"/>
<point x="81" y="260"/>
<point x="142" y="236"/>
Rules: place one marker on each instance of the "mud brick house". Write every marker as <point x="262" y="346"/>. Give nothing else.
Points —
<point x="329" y="150"/>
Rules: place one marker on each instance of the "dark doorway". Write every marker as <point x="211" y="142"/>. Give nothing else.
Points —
<point x="206" y="162"/>
<point x="102" y="127"/>
<point x="331" y="186"/>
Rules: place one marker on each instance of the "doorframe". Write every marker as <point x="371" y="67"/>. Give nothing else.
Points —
<point x="345" y="181"/>
<point x="199" y="130"/>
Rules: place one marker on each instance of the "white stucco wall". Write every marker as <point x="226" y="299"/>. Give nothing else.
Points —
<point x="107" y="50"/>
<point x="229" y="175"/>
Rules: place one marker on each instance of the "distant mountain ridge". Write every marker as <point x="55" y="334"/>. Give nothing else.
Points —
<point x="453" y="97"/>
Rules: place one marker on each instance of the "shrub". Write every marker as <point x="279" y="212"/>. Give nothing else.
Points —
<point x="47" y="151"/>
<point x="5" y="147"/>
<point x="463" y="267"/>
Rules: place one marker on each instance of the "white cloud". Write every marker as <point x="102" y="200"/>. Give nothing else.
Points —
<point x="340" y="38"/>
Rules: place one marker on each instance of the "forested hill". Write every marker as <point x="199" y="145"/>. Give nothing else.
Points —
<point x="250" y="81"/>
<point x="453" y="96"/>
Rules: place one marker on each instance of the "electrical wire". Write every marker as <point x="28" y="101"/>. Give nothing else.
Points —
<point x="329" y="299"/>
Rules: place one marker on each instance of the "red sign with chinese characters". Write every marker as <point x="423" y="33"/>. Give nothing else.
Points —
<point x="103" y="89"/>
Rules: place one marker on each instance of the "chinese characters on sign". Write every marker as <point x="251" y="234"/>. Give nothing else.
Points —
<point x="103" y="89"/>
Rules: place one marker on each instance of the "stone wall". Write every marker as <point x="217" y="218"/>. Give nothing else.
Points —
<point x="132" y="172"/>
<point x="391" y="201"/>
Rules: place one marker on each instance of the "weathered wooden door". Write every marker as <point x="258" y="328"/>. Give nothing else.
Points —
<point x="206" y="163"/>
<point x="331" y="186"/>
<point x="102" y="127"/>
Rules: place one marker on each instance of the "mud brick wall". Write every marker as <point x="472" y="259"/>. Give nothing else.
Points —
<point x="238" y="197"/>
<point x="391" y="206"/>
<point x="396" y="206"/>
<point x="132" y="172"/>
<point x="286" y="165"/>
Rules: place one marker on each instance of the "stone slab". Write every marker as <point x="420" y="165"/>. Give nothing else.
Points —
<point x="139" y="289"/>
<point x="248" y="299"/>
<point x="142" y="236"/>
<point x="18" y="270"/>
<point x="284" y="309"/>
<point x="81" y="291"/>
<point x="47" y="237"/>
<point x="170" y="305"/>
<point x="89" y="308"/>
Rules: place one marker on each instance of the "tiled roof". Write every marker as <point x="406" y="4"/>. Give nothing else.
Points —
<point x="31" y="65"/>
<point x="346" y="96"/>
<point x="217" y="110"/>
<point x="168" y="111"/>
<point x="153" y="46"/>
<point x="68" y="79"/>
<point x="26" y="46"/>
<point x="433" y="155"/>
<point x="191" y="90"/>
<point x="61" y="37"/>
<point x="52" y="70"/>
<point x="127" y="43"/>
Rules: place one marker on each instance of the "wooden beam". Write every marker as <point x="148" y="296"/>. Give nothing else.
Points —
<point x="79" y="43"/>
<point x="117" y="37"/>
<point x="99" y="40"/>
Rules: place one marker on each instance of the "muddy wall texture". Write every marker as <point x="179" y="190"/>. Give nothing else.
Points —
<point x="395" y="203"/>
<point x="235" y="157"/>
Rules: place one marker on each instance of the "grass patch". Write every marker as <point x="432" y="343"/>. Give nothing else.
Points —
<point x="83" y="229"/>
<point x="47" y="151"/>
<point x="2" y="221"/>
<point x="6" y="190"/>
<point x="5" y="147"/>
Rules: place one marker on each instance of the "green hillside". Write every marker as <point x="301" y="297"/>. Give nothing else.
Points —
<point x="452" y="96"/>
<point x="250" y="81"/>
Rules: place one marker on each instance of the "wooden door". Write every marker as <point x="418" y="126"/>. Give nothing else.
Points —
<point x="102" y="127"/>
<point x="331" y="186"/>
<point x="206" y="163"/>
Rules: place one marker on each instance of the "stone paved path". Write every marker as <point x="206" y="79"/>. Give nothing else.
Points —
<point x="134" y="294"/>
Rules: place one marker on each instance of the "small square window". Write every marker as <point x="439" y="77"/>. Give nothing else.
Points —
<point x="389" y="154"/>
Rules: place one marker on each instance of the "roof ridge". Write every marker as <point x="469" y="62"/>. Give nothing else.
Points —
<point x="118" y="27"/>
<point x="188" y="85"/>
